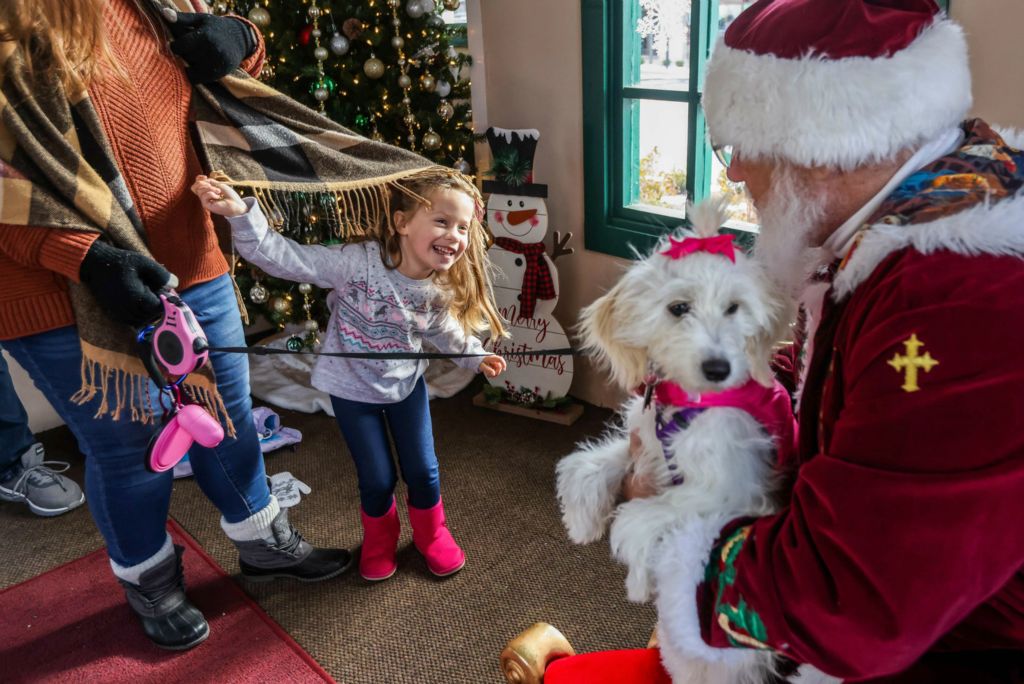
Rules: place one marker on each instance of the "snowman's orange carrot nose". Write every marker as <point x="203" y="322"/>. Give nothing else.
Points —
<point x="517" y="217"/>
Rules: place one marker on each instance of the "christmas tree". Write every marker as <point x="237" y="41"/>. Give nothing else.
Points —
<point x="386" y="69"/>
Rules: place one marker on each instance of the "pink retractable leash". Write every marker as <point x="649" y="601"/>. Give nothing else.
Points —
<point x="176" y="345"/>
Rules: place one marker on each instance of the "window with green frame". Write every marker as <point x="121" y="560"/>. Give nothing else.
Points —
<point x="646" y="150"/>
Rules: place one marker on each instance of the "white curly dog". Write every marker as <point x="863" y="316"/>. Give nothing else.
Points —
<point x="695" y="323"/>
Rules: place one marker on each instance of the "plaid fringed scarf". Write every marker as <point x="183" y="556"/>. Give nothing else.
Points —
<point x="58" y="171"/>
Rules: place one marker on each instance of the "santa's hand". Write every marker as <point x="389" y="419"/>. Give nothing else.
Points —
<point x="492" y="366"/>
<point x="634" y="486"/>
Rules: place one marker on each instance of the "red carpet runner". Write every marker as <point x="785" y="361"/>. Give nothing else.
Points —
<point x="72" y="624"/>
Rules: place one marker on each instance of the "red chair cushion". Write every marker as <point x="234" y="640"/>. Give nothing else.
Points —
<point x="636" y="666"/>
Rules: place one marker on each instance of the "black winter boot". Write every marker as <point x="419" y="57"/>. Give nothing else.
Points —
<point x="159" y="600"/>
<point x="289" y="555"/>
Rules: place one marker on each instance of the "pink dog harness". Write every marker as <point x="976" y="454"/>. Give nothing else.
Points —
<point x="769" y="406"/>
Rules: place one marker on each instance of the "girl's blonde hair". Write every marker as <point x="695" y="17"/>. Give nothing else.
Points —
<point x="468" y="281"/>
<point x="65" y="38"/>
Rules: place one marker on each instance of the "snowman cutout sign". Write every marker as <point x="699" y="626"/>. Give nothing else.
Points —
<point x="526" y="281"/>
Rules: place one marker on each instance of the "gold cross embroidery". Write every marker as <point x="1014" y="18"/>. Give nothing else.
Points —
<point x="911" y="362"/>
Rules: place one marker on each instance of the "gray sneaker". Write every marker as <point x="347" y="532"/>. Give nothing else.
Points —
<point x="44" y="489"/>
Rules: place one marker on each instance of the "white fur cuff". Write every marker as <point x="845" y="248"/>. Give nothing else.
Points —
<point x="680" y="568"/>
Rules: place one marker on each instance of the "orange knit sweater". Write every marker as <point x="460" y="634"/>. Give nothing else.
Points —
<point x="146" y="122"/>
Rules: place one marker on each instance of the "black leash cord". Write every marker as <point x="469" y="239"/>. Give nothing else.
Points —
<point x="394" y="356"/>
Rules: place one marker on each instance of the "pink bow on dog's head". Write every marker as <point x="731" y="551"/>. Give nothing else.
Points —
<point x="719" y="244"/>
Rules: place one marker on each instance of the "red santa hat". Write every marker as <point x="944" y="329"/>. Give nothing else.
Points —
<point x="836" y="82"/>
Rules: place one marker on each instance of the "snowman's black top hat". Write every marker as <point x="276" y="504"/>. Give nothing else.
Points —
<point x="512" y="166"/>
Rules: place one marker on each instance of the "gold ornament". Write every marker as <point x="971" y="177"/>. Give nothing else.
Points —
<point x="373" y="67"/>
<point x="431" y="140"/>
<point x="452" y="5"/>
<point x="427" y="82"/>
<point x="445" y="110"/>
<point x="259" y="16"/>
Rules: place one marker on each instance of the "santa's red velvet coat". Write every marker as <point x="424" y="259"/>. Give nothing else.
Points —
<point x="901" y="550"/>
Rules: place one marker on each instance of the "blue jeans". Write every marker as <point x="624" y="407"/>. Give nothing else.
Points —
<point x="128" y="502"/>
<point x="365" y="428"/>
<point x="15" y="437"/>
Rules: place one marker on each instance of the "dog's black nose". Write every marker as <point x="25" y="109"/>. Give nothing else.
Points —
<point x="716" y="370"/>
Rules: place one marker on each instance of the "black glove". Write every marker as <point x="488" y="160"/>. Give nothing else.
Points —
<point x="213" y="46"/>
<point x="125" y="283"/>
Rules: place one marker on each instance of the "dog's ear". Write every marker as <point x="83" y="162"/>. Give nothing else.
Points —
<point x="774" y="321"/>
<point x="759" y="356"/>
<point x="597" y="327"/>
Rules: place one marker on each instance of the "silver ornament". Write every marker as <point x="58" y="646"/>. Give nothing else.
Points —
<point x="431" y="140"/>
<point x="339" y="44"/>
<point x="311" y="326"/>
<point x="373" y="67"/>
<point x="258" y="294"/>
<point x="445" y="110"/>
<point x="320" y="53"/>
<point x="316" y="33"/>
<point x="314" y="12"/>
<point x="305" y="288"/>
<point x="414" y="9"/>
<point x="398" y="42"/>
<point x="404" y="81"/>
<point x="280" y="305"/>
<point x="412" y="139"/>
<point x="435" y="21"/>
<point x="462" y="166"/>
<point x="321" y="94"/>
<point x="429" y="6"/>
<point x="260" y="16"/>
<point x="443" y="88"/>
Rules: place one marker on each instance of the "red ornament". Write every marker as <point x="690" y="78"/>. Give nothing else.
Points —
<point x="305" y="34"/>
<point x="352" y="28"/>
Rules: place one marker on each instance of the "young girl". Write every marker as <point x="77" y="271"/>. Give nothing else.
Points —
<point x="423" y="278"/>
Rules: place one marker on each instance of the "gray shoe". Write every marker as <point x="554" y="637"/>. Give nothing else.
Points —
<point x="168" y="618"/>
<point x="44" y="489"/>
<point x="289" y="555"/>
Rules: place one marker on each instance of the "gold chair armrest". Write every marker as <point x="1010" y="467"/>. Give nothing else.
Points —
<point x="527" y="656"/>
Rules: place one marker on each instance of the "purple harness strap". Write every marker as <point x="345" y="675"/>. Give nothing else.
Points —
<point x="665" y="429"/>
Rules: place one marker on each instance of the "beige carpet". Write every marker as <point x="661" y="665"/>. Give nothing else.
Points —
<point x="497" y="480"/>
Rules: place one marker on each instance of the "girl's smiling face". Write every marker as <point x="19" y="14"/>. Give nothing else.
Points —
<point x="432" y="238"/>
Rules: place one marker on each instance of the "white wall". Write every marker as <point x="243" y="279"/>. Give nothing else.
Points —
<point x="41" y="415"/>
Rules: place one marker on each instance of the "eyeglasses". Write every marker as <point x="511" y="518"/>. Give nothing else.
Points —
<point x="723" y="153"/>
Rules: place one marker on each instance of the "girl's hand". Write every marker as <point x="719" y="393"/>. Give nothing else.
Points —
<point x="218" y="198"/>
<point x="492" y="366"/>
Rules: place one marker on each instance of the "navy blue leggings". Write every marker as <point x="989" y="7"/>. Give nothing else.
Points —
<point x="365" y="428"/>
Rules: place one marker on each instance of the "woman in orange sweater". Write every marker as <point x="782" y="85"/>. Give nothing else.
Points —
<point x="94" y="222"/>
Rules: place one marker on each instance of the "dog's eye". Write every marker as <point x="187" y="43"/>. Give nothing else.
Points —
<point x="679" y="309"/>
<point x="733" y="308"/>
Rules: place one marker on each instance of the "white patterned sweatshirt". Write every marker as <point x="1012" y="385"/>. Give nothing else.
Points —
<point x="373" y="309"/>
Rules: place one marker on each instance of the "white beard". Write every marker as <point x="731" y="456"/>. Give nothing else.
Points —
<point x="789" y="219"/>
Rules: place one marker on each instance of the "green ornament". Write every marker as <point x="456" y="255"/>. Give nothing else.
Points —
<point x="294" y="343"/>
<point x="326" y="82"/>
<point x="362" y="120"/>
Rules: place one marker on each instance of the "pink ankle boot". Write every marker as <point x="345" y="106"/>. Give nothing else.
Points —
<point x="380" y="538"/>
<point x="431" y="536"/>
